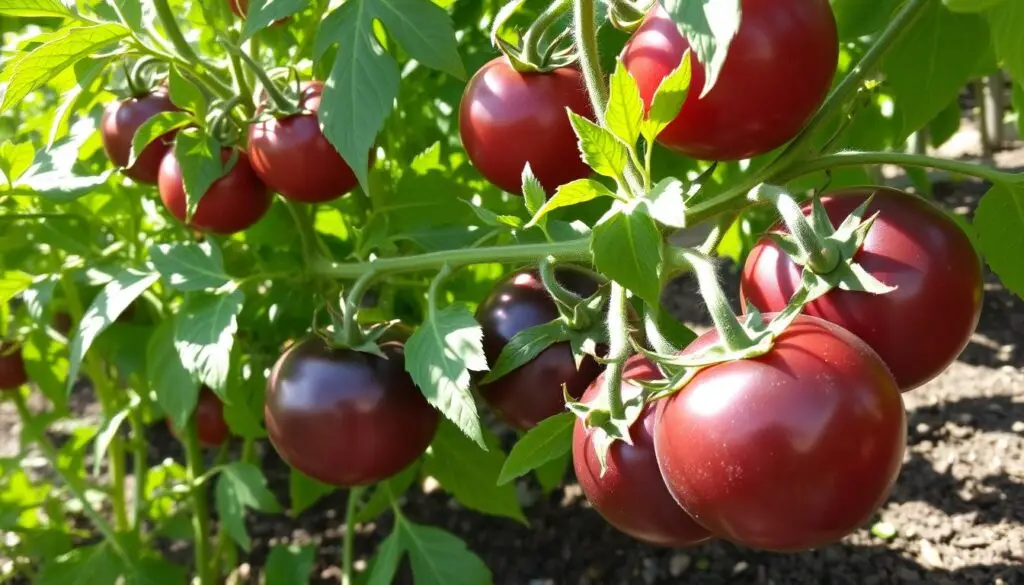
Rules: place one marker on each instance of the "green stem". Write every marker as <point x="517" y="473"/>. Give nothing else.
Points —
<point x="836" y="101"/>
<point x="200" y="512"/>
<point x="821" y="257"/>
<point x="562" y="296"/>
<point x="434" y="292"/>
<point x="139" y="451"/>
<point x="280" y="101"/>
<point x="846" y="159"/>
<point x="618" y="349"/>
<point x="306" y="232"/>
<point x="348" y="552"/>
<point x="572" y="250"/>
<point x="731" y="332"/>
<point x="71" y="481"/>
<point x="353" y="301"/>
<point x="166" y="16"/>
<point x="223" y="539"/>
<point x="532" y="38"/>
<point x="241" y="83"/>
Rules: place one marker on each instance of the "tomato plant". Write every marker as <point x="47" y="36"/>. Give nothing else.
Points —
<point x="328" y="252"/>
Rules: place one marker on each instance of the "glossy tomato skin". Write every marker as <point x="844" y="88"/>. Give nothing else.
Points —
<point x="508" y="119"/>
<point x="233" y="203"/>
<point x="292" y="156"/>
<point x="12" y="366"/>
<point x="920" y="328"/>
<point x="344" y="417"/>
<point x="778" y="71"/>
<point x="632" y="495"/>
<point x="118" y="125"/>
<point x="788" y="451"/>
<point x="210" y="424"/>
<point x="533" y="392"/>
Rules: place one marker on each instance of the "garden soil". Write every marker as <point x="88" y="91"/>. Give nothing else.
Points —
<point x="956" y="515"/>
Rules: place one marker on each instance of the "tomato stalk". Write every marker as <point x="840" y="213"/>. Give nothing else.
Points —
<point x="618" y="350"/>
<point x="572" y="250"/>
<point x="350" y="331"/>
<point x="348" y="551"/>
<point x="856" y="158"/>
<point x="562" y="296"/>
<point x="241" y="83"/>
<point x="200" y="512"/>
<point x="139" y="450"/>
<point x="282" y="103"/>
<point x="532" y="52"/>
<point x="734" y="336"/>
<point x="72" y="482"/>
<point x="166" y="16"/>
<point x="821" y="257"/>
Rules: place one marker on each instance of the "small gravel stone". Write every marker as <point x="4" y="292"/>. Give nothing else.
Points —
<point x="678" y="564"/>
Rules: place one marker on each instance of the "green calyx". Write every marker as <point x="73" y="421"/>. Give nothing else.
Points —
<point x="539" y="50"/>
<point x="628" y="15"/>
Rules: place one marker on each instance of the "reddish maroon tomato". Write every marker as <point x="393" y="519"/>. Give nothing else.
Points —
<point x="118" y="125"/>
<point x="233" y="203"/>
<point x="211" y="427"/>
<point x="533" y="392"/>
<point x="345" y="417"/>
<point x="920" y="328"/>
<point x="12" y="366"/>
<point x="292" y="156"/>
<point x="508" y="119"/>
<point x="632" y="495"/>
<point x="777" y="73"/>
<point x="788" y="451"/>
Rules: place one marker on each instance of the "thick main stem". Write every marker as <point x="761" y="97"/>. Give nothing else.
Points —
<point x="572" y="250"/>
<point x="201" y="513"/>
<point x="166" y="16"/>
<point x="618" y="349"/>
<point x="348" y="550"/>
<point x="855" y="158"/>
<point x="139" y="451"/>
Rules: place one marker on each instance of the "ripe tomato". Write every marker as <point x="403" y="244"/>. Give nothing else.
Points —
<point x="919" y="328"/>
<point x="118" y="125"/>
<point x="345" y="417"/>
<point x="632" y="495"/>
<point x="209" y="417"/>
<point x="12" y="366"/>
<point x="292" y="156"/>
<point x="788" y="451"/>
<point x="233" y="203"/>
<point x="533" y="392"/>
<point x="777" y="73"/>
<point x="508" y="119"/>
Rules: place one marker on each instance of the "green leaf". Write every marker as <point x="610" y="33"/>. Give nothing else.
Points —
<point x="439" y="557"/>
<point x="605" y="153"/>
<point x="185" y="94"/>
<point x="13" y="284"/>
<point x="424" y="30"/>
<point x="625" y="106"/>
<point x="205" y="335"/>
<point x="971" y="5"/>
<point x="929" y="65"/>
<point x="493" y="219"/>
<point x="53" y="175"/>
<point x="1007" y="21"/>
<point x="387" y="492"/>
<point x="668" y="100"/>
<point x="439" y="356"/>
<point x="857" y="18"/>
<point x="262" y="13"/>
<point x="389" y="555"/>
<point x="549" y="440"/>
<point x="999" y="221"/>
<point x="46" y="364"/>
<point x="471" y="474"/>
<point x="106" y="434"/>
<point x="526" y="345"/>
<point x="578" y="191"/>
<point x="87" y="565"/>
<point x="552" y="474"/>
<point x="241" y="486"/>
<point x="127" y="285"/>
<point x="51" y="58"/>
<point x="533" y="192"/>
<point x="200" y="158"/>
<point x="154" y="128"/>
<point x="190" y="267"/>
<point x="176" y="392"/>
<point x="154" y="571"/>
<point x="305" y="491"/>
<point x="665" y="203"/>
<point x="38" y="296"/>
<point x="15" y="159"/>
<point x="945" y="125"/>
<point x="627" y="247"/>
<point x="288" y="565"/>
<point x="710" y="27"/>
<point x="31" y="8"/>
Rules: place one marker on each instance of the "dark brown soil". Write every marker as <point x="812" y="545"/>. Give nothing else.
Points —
<point x="958" y="507"/>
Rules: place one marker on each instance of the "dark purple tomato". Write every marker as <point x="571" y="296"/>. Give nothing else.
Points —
<point x="533" y="392"/>
<point x="292" y="156"/>
<point x="233" y="203"/>
<point x="210" y="424"/>
<point x="118" y="125"/>
<point x="344" y="417"/>
<point x="12" y="366"/>
<point x="632" y="495"/>
<point x="508" y="119"/>
<point x="920" y="328"/>
<point x="777" y="73"/>
<point x="789" y="451"/>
